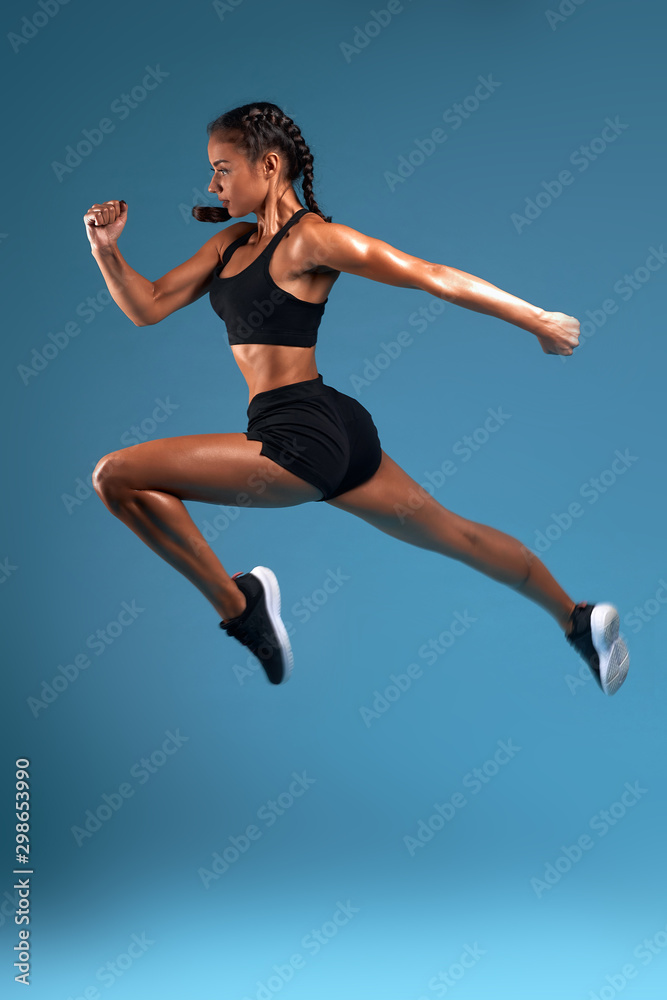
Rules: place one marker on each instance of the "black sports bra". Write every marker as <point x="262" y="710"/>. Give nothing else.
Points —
<point x="255" y="309"/>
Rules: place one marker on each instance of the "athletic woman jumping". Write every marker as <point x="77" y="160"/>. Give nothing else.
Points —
<point x="305" y="440"/>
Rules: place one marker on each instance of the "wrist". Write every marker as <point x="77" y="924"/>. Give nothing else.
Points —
<point x="535" y="320"/>
<point x="106" y="251"/>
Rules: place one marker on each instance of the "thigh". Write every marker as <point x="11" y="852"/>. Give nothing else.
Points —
<point x="394" y="502"/>
<point x="212" y="468"/>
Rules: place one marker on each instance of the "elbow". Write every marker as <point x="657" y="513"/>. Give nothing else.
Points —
<point x="437" y="280"/>
<point x="147" y="320"/>
<point x="448" y="284"/>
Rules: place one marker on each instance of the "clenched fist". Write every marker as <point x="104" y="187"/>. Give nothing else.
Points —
<point x="104" y="223"/>
<point x="558" y="333"/>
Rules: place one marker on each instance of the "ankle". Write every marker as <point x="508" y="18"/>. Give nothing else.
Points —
<point x="568" y="623"/>
<point x="231" y="604"/>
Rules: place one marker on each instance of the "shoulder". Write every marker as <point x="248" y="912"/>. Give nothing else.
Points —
<point x="314" y="236"/>
<point x="337" y="247"/>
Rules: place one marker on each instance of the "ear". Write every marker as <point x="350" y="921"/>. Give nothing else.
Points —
<point x="272" y="163"/>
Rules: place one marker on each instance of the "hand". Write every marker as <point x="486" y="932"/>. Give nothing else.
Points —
<point x="104" y="223"/>
<point x="558" y="333"/>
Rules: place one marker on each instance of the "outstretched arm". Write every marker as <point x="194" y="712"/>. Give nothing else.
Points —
<point x="345" y="249"/>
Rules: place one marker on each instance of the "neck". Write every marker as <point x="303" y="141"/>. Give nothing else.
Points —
<point x="271" y="218"/>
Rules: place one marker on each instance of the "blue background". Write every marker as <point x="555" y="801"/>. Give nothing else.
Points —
<point x="511" y="677"/>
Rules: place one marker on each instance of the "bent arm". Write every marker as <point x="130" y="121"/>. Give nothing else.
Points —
<point x="147" y="302"/>
<point x="345" y="249"/>
<point x="129" y="289"/>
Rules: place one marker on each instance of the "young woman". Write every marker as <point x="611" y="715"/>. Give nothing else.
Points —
<point x="269" y="282"/>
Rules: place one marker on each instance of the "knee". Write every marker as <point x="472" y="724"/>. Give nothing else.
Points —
<point x="458" y="537"/>
<point x="107" y="479"/>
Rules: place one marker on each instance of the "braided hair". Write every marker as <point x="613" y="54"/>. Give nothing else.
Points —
<point x="256" y="129"/>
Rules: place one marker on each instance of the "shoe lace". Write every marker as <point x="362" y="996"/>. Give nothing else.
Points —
<point x="249" y="635"/>
<point x="241" y="632"/>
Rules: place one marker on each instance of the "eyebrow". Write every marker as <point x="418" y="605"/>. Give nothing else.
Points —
<point x="215" y="162"/>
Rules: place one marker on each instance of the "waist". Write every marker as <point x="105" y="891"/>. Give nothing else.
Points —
<point x="290" y="391"/>
<point x="280" y="337"/>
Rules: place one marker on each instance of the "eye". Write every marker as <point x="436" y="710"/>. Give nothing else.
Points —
<point x="221" y="170"/>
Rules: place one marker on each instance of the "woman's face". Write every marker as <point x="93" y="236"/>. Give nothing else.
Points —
<point x="239" y="186"/>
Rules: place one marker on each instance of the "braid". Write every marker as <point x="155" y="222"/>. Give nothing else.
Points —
<point x="260" y="127"/>
<point x="305" y="158"/>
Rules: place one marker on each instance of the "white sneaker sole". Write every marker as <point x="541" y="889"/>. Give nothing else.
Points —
<point x="272" y="592"/>
<point x="611" y="650"/>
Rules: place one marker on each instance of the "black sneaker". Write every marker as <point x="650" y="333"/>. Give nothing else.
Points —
<point x="595" y="637"/>
<point x="259" y="626"/>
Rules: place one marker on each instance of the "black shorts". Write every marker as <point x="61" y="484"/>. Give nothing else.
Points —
<point x="318" y="433"/>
